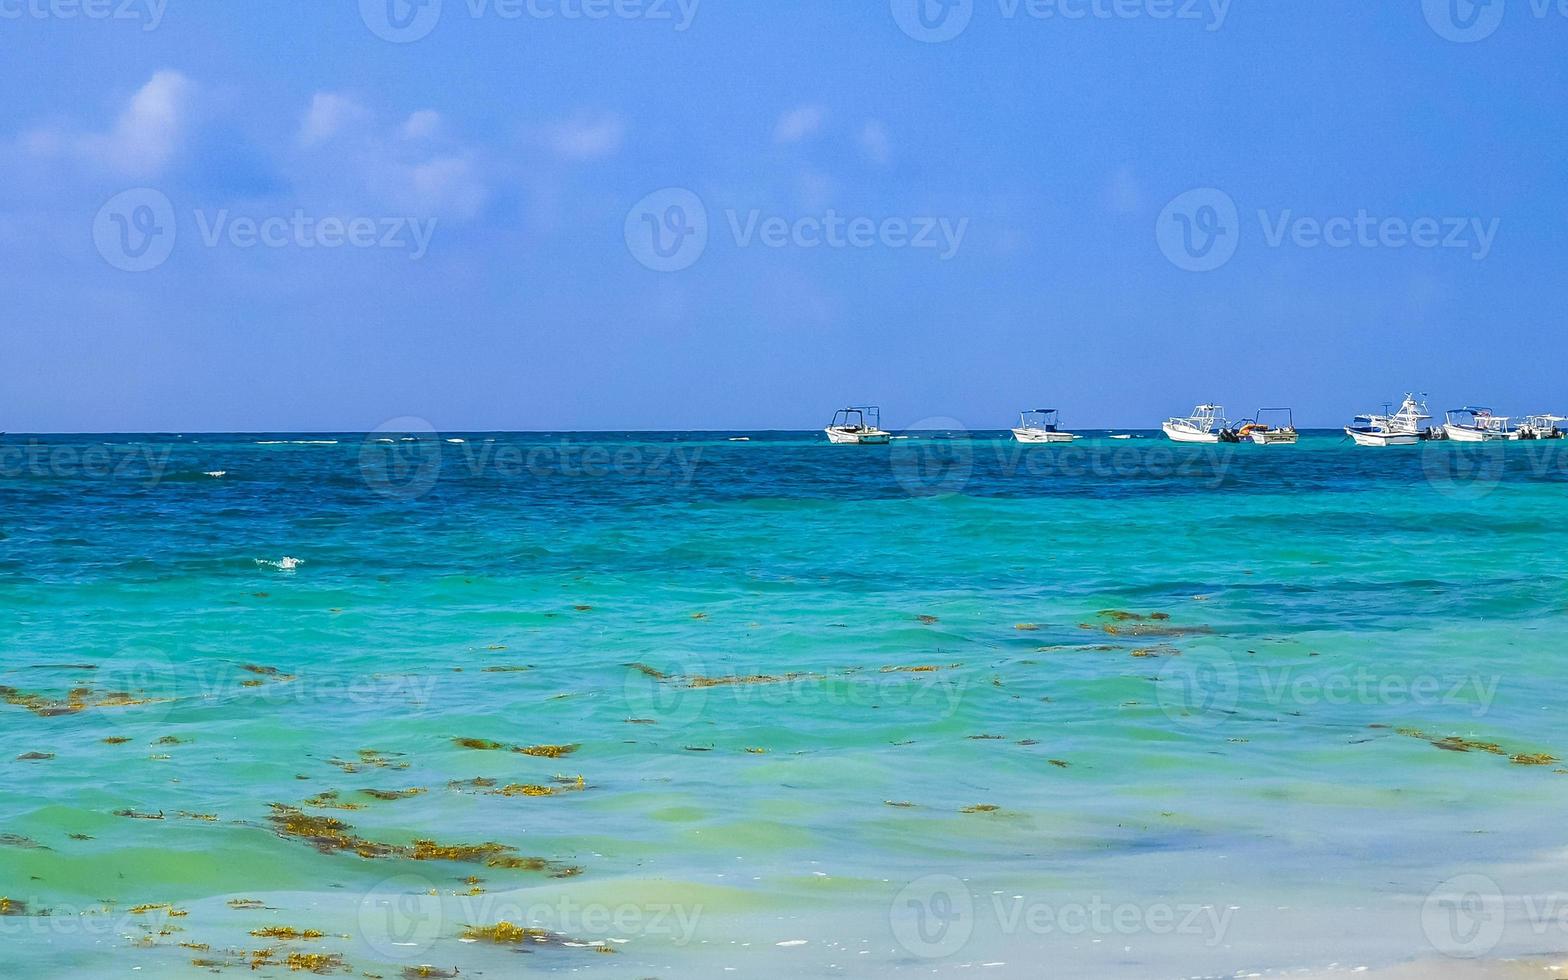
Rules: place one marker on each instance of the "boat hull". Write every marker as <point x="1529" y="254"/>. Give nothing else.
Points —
<point x="1465" y="433"/>
<point x="1276" y="437"/>
<point x="843" y="437"/>
<point x="1383" y="438"/>
<point x="1036" y="437"/>
<point x="1180" y="434"/>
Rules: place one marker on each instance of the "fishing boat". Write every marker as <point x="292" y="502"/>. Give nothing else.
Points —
<point x="1401" y="428"/>
<point x="1206" y="424"/>
<point x="1262" y="429"/>
<point x="1041" y="425"/>
<point x="1541" y="427"/>
<point x="858" y="426"/>
<point x="1477" y="425"/>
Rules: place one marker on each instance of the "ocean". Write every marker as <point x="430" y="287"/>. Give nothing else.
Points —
<point x="680" y="705"/>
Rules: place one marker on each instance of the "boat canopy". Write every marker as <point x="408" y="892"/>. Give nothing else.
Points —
<point x="855" y="416"/>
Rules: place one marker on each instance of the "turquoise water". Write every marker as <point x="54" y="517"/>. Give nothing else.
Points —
<point x="1181" y="710"/>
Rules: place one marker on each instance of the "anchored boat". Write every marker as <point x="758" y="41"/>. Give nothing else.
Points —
<point x="1541" y="427"/>
<point x="1401" y="428"/>
<point x="1041" y="425"/>
<point x="1206" y="424"/>
<point x="1262" y="428"/>
<point x="858" y="426"/>
<point x="1477" y="425"/>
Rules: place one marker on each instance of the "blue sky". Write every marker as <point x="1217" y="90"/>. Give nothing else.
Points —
<point x="1048" y="159"/>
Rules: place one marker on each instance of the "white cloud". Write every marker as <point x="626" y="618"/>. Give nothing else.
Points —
<point x="587" y="139"/>
<point x="410" y="164"/>
<point x="875" y="143"/>
<point x="445" y="185"/>
<point x="798" y="124"/>
<point x="329" y="114"/>
<point x="423" y="124"/>
<point x="146" y="136"/>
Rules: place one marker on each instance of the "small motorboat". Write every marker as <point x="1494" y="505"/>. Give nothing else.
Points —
<point x="1541" y="427"/>
<point x="1041" y="425"/>
<point x="1262" y="429"/>
<point x="1206" y="424"/>
<point x="1477" y="425"/>
<point x="858" y="426"/>
<point x="1401" y="428"/>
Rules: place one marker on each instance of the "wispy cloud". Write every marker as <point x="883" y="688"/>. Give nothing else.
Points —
<point x="798" y="124"/>
<point x="346" y="149"/>
<point x="424" y="124"/>
<point x="586" y="138"/>
<point x="330" y="113"/>
<point x="875" y="143"/>
<point x="147" y="135"/>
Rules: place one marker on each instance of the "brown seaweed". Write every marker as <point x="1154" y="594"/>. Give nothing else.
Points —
<point x="1453" y="743"/>
<point x="507" y="934"/>
<point x="76" y="700"/>
<point x="394" y="794"/>
<point x="479" y="744"/>
<point x="287" y="933"/>
<point x="317" y="963"/>
<point x="546" y="751"/>
<point x="329" y="800"/>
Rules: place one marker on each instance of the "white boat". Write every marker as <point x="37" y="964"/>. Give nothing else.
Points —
<point x="858" y="426"/>
<point x="1401" y="428"/>
<point x="1206" y="424"/>
<point x="1541" y="427"/>
<point x="1265" y="432"/>
<point x="1042" y="425"/>
<point x="1477" y="425"/>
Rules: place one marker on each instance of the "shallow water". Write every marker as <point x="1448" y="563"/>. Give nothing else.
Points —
<point x="1205" y="689"/>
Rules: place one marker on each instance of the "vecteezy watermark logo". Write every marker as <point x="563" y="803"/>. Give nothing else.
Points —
<point x="401" y="917"/>
<point x="1464" y="21"/>
<point x="667" y="231"/>
<point x="933" y="21"/>
<point x="138" y="685"/>
<point x="1465" y="472"/>
<point x="933" y="457"/>
<point x="933" y="917"/>
<point x="1199" y="689"/>
<point x="668" y="692"/>
<point x="404" y="21"/>
<point x="1464" y="917"/>
<point x="1199" y="230"/>
<point x="305" y="231"/>
<point x="135" y="230"/>
<point x="149" y="12"/>
<point x="400" y="21"/>
<point x="401" y="459"/>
